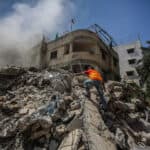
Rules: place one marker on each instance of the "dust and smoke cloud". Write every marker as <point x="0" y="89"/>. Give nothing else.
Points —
<point x="24" y="27"/>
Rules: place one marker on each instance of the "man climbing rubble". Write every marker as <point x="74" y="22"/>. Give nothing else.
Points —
<point x="94" y="79"/>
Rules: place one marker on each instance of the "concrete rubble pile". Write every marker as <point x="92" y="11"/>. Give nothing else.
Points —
<point x="128" y="116"/>
<point x="48" y="110"/>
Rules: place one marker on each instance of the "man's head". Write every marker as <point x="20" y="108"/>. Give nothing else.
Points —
<point x="90" y="67"/>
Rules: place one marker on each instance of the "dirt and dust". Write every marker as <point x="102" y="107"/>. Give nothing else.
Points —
<point x="48" y="110"/>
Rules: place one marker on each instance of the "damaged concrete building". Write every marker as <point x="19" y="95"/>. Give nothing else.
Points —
<point x="129" y="55"/>
<point x="77" y="49"/>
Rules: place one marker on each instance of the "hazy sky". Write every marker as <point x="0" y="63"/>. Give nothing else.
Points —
<point x="125" y="20"/>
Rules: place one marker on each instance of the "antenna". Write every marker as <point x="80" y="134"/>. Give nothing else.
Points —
<point x="139" y="38"/>
<point x="72" y="22"/>
<point x="103" y="35"/>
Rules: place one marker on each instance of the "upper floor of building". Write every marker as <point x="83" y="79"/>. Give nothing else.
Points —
<point x="82" y="45"/>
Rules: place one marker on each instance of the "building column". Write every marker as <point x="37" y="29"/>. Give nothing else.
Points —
<point x="97" y="50"/>
<point x="71" y="47"/>
<point x="43" y="54"/>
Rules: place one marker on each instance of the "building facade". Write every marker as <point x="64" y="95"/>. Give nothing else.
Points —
<point x="129" y="55"/>
<point x="146" y="51"/>
<point x="78" y="49"/>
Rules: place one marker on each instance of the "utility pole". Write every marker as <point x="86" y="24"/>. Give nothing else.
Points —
<point x="72" y="22"/>
<point x="139" y="38"/>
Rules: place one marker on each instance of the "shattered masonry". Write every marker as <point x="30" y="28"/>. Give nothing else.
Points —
<point x="48" y="110"/>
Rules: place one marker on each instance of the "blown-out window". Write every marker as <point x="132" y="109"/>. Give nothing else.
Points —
<point x="115" y="61"/>
<point x="76" y="68"/>
<point x="53" y="55"/>
<point x="130" y="51"/>
<point x="132" y="61"/>
<point x="66" y="49"/>
<point x="103" y="55"/>
<point x="130" y="73"/>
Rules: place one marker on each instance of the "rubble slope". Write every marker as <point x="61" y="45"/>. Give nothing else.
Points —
<point x="48" y="110"/>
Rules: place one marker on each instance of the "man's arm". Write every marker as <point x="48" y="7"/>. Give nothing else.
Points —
<point x="80" y="73"/>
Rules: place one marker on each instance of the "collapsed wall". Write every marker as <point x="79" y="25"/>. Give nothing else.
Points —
<point x="48" y="110"/>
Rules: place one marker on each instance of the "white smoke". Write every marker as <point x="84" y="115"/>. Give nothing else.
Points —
<point x="24" y="27"/>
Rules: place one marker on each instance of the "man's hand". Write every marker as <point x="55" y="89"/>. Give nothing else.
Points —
<point x="80" y="73"/>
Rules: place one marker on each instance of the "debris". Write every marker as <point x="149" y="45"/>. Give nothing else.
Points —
<point x="60" y="130"/>
<point x="71" y="141"/>
<point x="127" y="116"/>
<point x="47" y="109"/>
